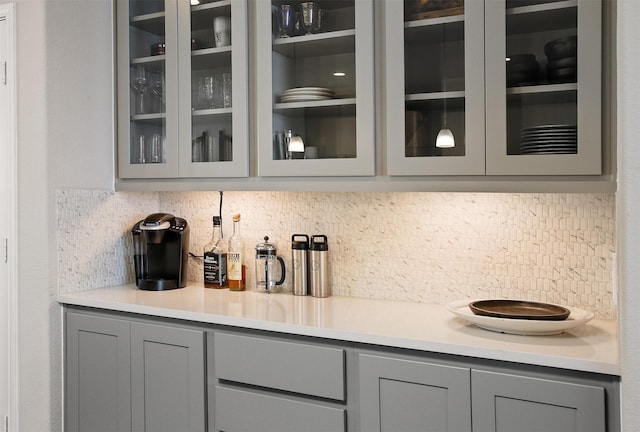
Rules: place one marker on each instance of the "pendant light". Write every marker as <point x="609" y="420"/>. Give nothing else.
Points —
<point x="445" y="136"/>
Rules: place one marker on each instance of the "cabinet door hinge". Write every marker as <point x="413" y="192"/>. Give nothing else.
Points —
<point x="6" y="251"/>
<point x="6" y="423"/>
<point x="4" y="73"/>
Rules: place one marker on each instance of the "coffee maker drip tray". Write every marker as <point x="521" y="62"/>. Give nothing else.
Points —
<point x="158" y="284"/>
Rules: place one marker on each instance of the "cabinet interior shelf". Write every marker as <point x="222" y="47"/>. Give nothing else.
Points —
<point x="316" y="45"/>
<point x="149" y="60"/>
<point x="314" y="104"/>
<point x="218" y="112"/>
<point x="434" y="96"/>
<point x="149" y="117"/>
<point x="544" y="88"/>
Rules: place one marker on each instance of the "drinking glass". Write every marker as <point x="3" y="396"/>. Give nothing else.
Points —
<point x="157" y="87"/>
<point x="138" y="149"/>
<point x="139" y="87"/>
<point x="310" y="17"/>
<point x="222" y="31"/>
<point x="211" y="91"/>
<point x="156" y="148"/>
<point x="226" y="90"/>
<point x="285" y="20"/>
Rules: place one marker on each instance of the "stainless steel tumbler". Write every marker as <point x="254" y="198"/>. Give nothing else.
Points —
<point x="300" y="263"/>
<point x="318" y="256"/>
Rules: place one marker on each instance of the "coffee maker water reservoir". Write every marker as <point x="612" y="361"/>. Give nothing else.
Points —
<point x="161" y="248"/>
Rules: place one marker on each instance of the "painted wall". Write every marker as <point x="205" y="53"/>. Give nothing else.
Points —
<point x="65" y="124"/>
<point x="628" y="211"/>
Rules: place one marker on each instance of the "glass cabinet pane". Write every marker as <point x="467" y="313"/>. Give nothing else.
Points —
<point x="541" y="70"/>
<point x="544" y="87"/>
<point x="317" y="102"/>
<point x="147" y="50"/>
<point x="314" y="80"/>
<point x="434" y="87"/>
<point x="211" y="82"/>
<point x="434" y="81"/>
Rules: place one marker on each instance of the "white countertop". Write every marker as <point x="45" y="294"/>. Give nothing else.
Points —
<point x="592" y="347"/>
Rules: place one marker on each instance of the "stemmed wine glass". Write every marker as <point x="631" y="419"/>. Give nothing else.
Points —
<point x="285" y="20"/>
<point x="157" y="87"/>
<point x="139" y="87"/>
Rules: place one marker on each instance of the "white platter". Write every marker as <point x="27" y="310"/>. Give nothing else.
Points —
<point x="306" y="90"/>
<point x="577" y="318"/>
<point x="302" y="98"/>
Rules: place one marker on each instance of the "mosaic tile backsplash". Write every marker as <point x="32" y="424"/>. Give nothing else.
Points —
<point x="418" y="247"/>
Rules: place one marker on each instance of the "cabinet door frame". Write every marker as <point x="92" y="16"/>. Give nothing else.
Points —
<point x="588" y="160"/>
<point x="239" y="166"/>
<point x="373" y="368"/>
<point x="193" y="341"/>
<point x="126" y="169"/>
<point x="486" y="387"/>
<point x="76" y="323"/>
<point x="364" y="162"/>
<point x="473" y="162"/>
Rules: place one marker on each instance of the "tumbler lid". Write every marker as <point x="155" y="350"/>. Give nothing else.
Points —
<point x="319" y="245"/>
<point x="299" y="244"/>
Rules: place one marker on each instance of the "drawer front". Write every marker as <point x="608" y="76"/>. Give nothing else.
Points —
<point x="240" y="410"/>
<point x="296" y="367"/>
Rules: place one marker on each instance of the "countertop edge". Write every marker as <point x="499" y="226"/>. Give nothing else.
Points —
<point x="394" y="341"/>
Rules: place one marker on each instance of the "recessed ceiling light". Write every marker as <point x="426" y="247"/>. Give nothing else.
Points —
<point x="195" y="2"/>
<point x="339" y="74"/>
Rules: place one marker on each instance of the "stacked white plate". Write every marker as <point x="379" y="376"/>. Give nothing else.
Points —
<point x="549" y="139"/>
<point x="301" y="94"/>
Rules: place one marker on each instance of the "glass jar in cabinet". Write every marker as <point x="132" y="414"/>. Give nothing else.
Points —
<point x="315" y="88"/>
<point x="147" y="89"/>
<point x="213" y="60"/>
<point x="544" y="87"/>
<point x="434" y="87"/>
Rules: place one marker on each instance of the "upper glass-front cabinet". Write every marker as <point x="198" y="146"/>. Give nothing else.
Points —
<point x="434" y="87"/>
<point x="543" y="87"/>
<point x="315" y="92"/>
<point x="182" y="88"/>
<point x="516" y="82"/>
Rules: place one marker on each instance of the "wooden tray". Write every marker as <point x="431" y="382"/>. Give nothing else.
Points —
<point x="519" y="309"/>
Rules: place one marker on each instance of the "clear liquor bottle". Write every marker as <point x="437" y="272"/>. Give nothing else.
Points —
<point x="215" y="258"/>
<point x="236" y="271"/>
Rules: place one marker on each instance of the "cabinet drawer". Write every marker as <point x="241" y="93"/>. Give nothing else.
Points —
<point x="240" y="410"/>
<point x="296" y="367"/>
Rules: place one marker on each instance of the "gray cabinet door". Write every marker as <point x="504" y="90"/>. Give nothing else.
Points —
<point x="399" y="395"/>
<point x="97" y="390"/>
<point x="504" y="403"/>
<point x="167" y="379"/>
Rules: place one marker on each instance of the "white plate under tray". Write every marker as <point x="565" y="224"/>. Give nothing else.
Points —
<point x="519" y="326"/>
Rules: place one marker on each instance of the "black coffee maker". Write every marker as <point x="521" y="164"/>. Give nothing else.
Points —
<point x="161" y="248"/>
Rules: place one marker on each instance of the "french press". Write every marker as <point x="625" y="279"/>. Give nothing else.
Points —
<point x="266" y="256"/>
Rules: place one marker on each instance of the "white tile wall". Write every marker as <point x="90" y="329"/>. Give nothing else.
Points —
<point x="419" y="247"/>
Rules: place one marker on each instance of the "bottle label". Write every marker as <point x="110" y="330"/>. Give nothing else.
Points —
<point x="234" y="266"/>
<point x="215" y="268"/>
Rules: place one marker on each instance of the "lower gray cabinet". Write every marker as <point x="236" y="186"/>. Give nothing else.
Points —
<point x="399" y="395"/>
<point x="97" y="390"/>
<point x="126" y="375"/>
<point x="167" y="379"/>
<point x="504" y="402"/>
<point x="269" y="383"/>
<point x="241" y="410"/>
